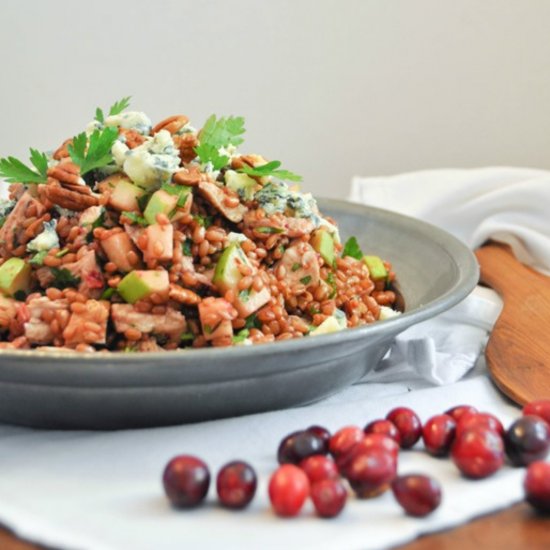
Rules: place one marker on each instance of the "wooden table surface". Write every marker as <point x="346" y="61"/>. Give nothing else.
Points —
<point x="516" y="528"/>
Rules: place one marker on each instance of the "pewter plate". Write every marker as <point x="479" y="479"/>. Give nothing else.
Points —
<point x="115" y="391"/>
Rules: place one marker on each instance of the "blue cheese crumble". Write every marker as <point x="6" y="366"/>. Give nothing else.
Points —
<point x="46" y="240"/>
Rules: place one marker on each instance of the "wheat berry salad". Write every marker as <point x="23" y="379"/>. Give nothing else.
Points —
<point x="134" y="237"/>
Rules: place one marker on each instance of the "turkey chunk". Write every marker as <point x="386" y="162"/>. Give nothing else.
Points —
<point x="301" y="265"/>
<point x="216" y="196"/>
<point x="37" y="329"/>
<point x="172" y="323"/>
<point x="216" y="315"/>
<point x="88" y="325"/>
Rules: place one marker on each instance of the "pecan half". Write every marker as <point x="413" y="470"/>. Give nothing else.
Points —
<point x="171" y="124"/>
<point x="74" y="197"/>
<point x="66" y="172"/>
<point x="133" y="138"/>
<point x="186" y="144"/>
<point x="62" y="152"/>
<point x="187" y="176"/>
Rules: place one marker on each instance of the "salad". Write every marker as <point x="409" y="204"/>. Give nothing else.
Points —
<point x="137" y="237"/>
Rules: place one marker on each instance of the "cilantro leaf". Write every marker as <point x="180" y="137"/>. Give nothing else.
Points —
<point x="98" y="152"/>
<point x="14" y="171"/>
<point x="270" y="169"/>
<point x="118" y="106"/>
<point x="218" y="133"/>
<point x="352" y="248"/>
<point x="63" y="278"/>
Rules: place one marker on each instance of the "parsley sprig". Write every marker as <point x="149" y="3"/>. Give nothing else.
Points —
<point x="217" y="133"/>
<point x="352" y="248"/>
<point x="94" y="152"/>
<point x="116" y="108"/>
<point x="270" y="169"/>
<point x="13" y="170"/>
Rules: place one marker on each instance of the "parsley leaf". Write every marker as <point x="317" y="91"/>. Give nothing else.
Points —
<point x="38" y="258"/>
<point x="331" y="281"/>
<point x="352" y="248"/>
<point x="135" y="218"/>
<point x="241" y="336"/>
<point x="98" y="152"/>
<point x="306" y="280"/>
<point x="252" y="321"/>
<point x="14" y="171"/>
<point x="116" y="108"/>
<point x="296" y="266"/>
<point x="218" y="133"/>
<point x="186" y="247"/>
<point x="270" y="169"/>
<point x="63" y="278"/>
<point x="204" y="221"/>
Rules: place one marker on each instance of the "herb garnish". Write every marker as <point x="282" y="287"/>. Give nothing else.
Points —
<point x="116" y="108"/>
<point x="241" y="336"/>
<point x="135" y="218"/>
<point x="269" y="230"/>
<point x="252" y="321"/>
<point x="63" y="278"/>
<point x="14" y="171"/>
<point x="94" y="152"/>
<point x="270" y="169"/>
<point x="352" y="248"/>
<point x="217" y="133"/>
<point x="306" y="280"/>
<point x="38" y="258"/>
<point x="186" y="247"/>
<point x="295" y="267"/>
<point x="187" y="337"/>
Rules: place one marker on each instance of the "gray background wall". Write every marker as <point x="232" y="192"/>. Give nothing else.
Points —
<point x="332" y="88"/>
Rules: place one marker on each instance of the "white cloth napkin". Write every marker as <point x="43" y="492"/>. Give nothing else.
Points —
<point x="510" y="205"/>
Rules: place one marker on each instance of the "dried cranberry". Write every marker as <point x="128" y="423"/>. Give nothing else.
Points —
<point x="537" y="486"/>
<point x="460" y="410"/>
<point x="385" y="427"/>
<point x="319" y="467"/>
<point x="288" y="490"/>
<point x="438" y="434"/>
<point x="483" y="420"/>
<point x="236" y="484"/>
<point x="344" y="439"/>
<point x="478" y="452"/>
<point x="540" y="408"/>
<point x="419" y="495"/>
<point x="370" y="474"/>
<point x="527" y="440"/>
<point x="408" y="424"/>
<point x="299" y="445"/>
<point x="186" y="480"/>
<point x="321" y="433"/>
<point x="329" y="497"/>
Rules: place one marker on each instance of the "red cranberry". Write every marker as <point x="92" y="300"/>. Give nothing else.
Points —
<point x="385" y="427"/>
<point x="369" y="442"/>
<point x="478" y="453"/>
<point x="408" y="425"/>
<point x="457" y="412"/>
<point x="479" y="420"/>
<point x="527" y="440"/>
<point x="329" y="497"/>
<point x="288" y="490"/>
<point x="419" y="495"/>
<point x="370" y="474"/>
<point x="438" y="434"/>
<point x="319" y="467"/>
<point x="236" y="484"/>
<point x="537" y="486"/>
<point x="344" y="439"/>
<point x="299" y="445"/>
<point x="321" y="433"/>
<point x="540" y="408"/>
<point x="186" y="480"/>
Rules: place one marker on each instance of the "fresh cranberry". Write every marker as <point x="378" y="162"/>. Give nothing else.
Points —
<point x="288" y="490"/>
<point x="537" y="486"/>
<point x="540" y="408"/>
<point x="478" y="452"/>
<point x="236" y="484"/>
<point x="299" y="445"/>
<point x="318" y="467"/>
<point x="329" y="497"/>
<point x="483" y="420"/>
<point x="408" y="425"/>
<point x="186" y="480"/>
<point x="438" y="434"/>
<point x="370" y="474"/>
<point x="344" y="439"/>
<point x="321" y="433"/>
<point x="457" y="412"/>
<point x="527" y="440"/>
<point x="419" y="495"/>
<point x="385" y="427"/>
<point x="369" y="442"/>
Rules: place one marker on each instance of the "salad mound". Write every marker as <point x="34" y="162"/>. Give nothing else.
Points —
<point x="132" y="237"/>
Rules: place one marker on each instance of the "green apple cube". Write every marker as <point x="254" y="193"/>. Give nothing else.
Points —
<point x="323" y="242"/>
<point x="227" y="274"/>
<point x="160" y="202"/>
<point x="138" y="285"/>
<point x="15" y="276"/>
<point x="376" y="266"/>
<point x="243" y="185"/>
<point x="124" y="197"/>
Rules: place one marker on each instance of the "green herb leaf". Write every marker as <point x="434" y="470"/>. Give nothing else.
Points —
<point x="269" y="230"/>
<point x="204" y="221"/>
<point x="295" y="267"/>
<point x="331" y="281"/>
<point x="241" y="336"/>
<point x="352" y="248"/>
<point x="181" y="191"/>
<point x="62" y="253"/>
<point x="135" y="218"/>
<point x="218" y="133"/>
<point x="38" y="258"/>
<point x="14" y="171"/>
<point x="107" y="293"/>
<point x="186" y="247"/>
<point x="118" y="106"/>
<point x="98" y="152"/>
<point x="306" y="280"/>
<point x="63" y="278"/>
<point x="209" y="153"/>
<point x="20" y="295"/>
<point x="99" y="116"/>
<point x="270" y="169"/>
<point x="252" y="321"/>
<point x="187" y="337"/>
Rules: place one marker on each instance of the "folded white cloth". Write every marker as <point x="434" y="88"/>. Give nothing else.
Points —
<point x="505" y="204"/>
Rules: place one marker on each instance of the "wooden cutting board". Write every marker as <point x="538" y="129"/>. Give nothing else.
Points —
<point x="518" y="351"/>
